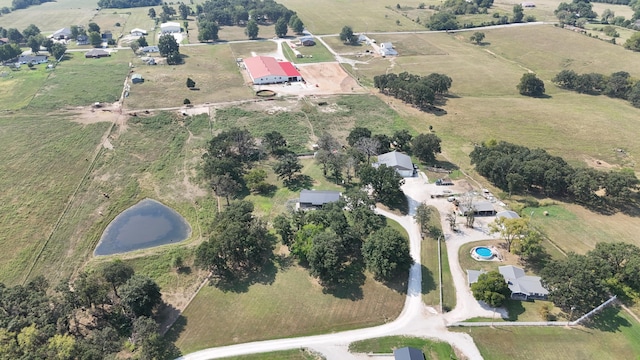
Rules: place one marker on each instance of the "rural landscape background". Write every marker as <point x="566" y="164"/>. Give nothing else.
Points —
<point x="61" y="155"/>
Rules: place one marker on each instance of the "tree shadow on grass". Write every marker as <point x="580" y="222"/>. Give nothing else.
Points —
<point x="428" y="280"/>
<point x="514" y="309"/>
<point x="399" y="283"/>
<point x="299" y="182"/>
<point x="350" y="284"/>
<point x="173" y="333"/>
<point x="265" y="275"/>
<point x="608" y="320"/>
<point x="398" y="203"/>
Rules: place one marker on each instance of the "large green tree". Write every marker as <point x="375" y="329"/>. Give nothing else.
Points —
<point x="347" y="36"/>
<point x="252" y="29"/>
<point x="386" y="254"/>
<point x="117" y="273"/>
<point x="425" y="147"/>
<point x="423" y="217"/>
<point x="491" y="288"/>
<point x="287" y="166"/>
<point x="384" y="181"/>
<point x="167" y="44"/>
<point x="327" y="257"/>
<point x="530" y="85"/>
<point x="633" y="42"/>
<point x="281" y="27"/>
<point x="140" y="295"/>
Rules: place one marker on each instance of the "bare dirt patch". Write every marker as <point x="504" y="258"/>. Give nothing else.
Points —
<point x="599" y="164"/>
<point x="93" y="114"/>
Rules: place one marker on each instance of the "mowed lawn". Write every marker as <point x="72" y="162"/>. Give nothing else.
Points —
<point x="290" y="304"/>
<point x="212" y="67"/>
<point x="311" y="54"/>
<point x="277" y="355"/>
<point x="17" y="88"/>
<point x="434" y="350"/>
<point x="41" y="163"/>
<point x="79" y="81"/>
<point x="51" y="16"/>
<point x="614" y="337"/>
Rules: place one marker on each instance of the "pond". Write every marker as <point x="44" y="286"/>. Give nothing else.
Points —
<point x="147" y="224"/>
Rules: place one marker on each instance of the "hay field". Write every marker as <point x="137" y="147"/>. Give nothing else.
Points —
<point x="52" y="16"/>
<point x="212" y="67"/>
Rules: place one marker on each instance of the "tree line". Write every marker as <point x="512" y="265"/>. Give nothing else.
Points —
<point x="420" y="91"/>
<point x="92" y="317"/>
<point x="122" y="4"/>
<point x="23" y="4"/>
<point x="518" y="169"/>
<point x="617" y="85"/>
<point x="34" y="40"/>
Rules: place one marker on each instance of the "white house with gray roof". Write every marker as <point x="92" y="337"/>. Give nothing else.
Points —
<point x="386" y="49"/>
<point x="400" y="162"/>
<point x="523" y="287"/>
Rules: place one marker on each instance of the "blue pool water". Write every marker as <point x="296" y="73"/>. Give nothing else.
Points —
<point x="147" y="224"/>
<point x="483" y="252"/>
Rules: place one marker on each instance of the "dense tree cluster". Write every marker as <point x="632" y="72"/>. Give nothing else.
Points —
<point x="91" y="318"/>
<point x="416" y="90"/>
<point x="121" y="4"/>
<point x="9" y="51"/>
<point x="338" y="239"/>
<point x="443" y="20"/>
<point x="23" y="4"/>
<point x="530" y="85"/>
<point x="518" y="169"/>
<point x="168" y="47"/>
<point x="571" y="13"/>
<point x="617" y="85"/>
<point x="238" y="12"/>
<point x="347" y="36"/>
<point x="240" y="244"/>
<point x="583" y="282"/>
<point x="462" y="7"/>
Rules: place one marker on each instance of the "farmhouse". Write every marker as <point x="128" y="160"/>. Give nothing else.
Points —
<point x="528" y="4"/>
<point x="307" y="40"/>
<point x="148" y="49"/>
<point x="137" y="79"/>
<point x="96" y="53"/>
<point x="481" y="208"/>
<point x="386" y="49"/>
<point x="170" y="27"/>
<point x="4" y="41"/>
<point x="82" y="40"/>
<point x="408" y="353"/>
<point x="523" y="287"/>
<point x="106" y="36"/>
<point x="62" y="34"/>
<point x="314" y="199"/>
<point x="138" y="32"/>
<point x="400" y="162"/>
<point x="32" y="59"/>
<point x="267" y="70"/>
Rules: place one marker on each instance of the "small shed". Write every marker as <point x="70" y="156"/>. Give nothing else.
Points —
<point x="137" y="79"/>
<point x="387" y="49"/>
<point x="408" y="353"/>
<point x="314" y="199"/>
<point x="106" y="36"/>
<point x="307" y="41"/>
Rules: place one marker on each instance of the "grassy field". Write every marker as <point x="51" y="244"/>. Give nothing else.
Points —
<point x="243" y="50"/>
<point x="435" y="350"/>
<point x="312" y="54"/>
<point x="614" y="336"/>
<point x="274" y="307"/>
<point x="79" y="82"/>
<point x="51" y="16"/>
<point x="17" y="88"/>
<point x="278" y="355"/>
<point x="430" y="272"/>
<point x="328" y="17"/>
<point x="213" y="68"/>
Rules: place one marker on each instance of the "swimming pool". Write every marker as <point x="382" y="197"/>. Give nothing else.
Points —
<point x="483" y="252"/>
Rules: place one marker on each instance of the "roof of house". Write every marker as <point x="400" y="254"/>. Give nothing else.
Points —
<point x="151" y="48"/>
<point x="289" y="69"/>
<point x="261" y="66"/>
<point x="408" y="353"/>
<point x="62" y="32"/>
<point x="396" y="160"/>
<point x="508" y="214"/>
<point x="472" y="276"/>
<point x="305" y="38"/>
<point x="96" y="52"/>
<point x="318" y="197"/>
<point x="30" y="58"/>
<point x="82" y="37"/>
<point x="520" y="283"/>
<point x="136" y="76"/>
<point x="480" y="206"/>
<point x="138" y="30"/>
<point x="169" y="24"/>
<point x="386" y="45"/>
<point x="4" y="40"/>
<point x="388" y="51"/>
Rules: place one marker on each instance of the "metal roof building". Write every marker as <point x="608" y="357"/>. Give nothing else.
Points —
<point x="267" y="70"/>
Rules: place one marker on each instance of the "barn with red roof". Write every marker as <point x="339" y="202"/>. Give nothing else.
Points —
<point x="267" y="70"/>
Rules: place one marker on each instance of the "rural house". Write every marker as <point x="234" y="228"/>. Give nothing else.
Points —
<point x="400" y="162"/>
<point x="408" y="353"/>
<point x="523" y="287"/>
<point x="170" y="27"/>
<point x="96" y="53"/>
<point x="138" y="32"/>
<point x="82" y="40"/>
<point x="267" y="70"/>
<point x="314" y="199"/>
<point x="32" y="59"/>
<point x="62" y="34"/>
<point x="480" y="208"/>
<point x="386" y="49"/>
<point x="149" y="49"/>
<point x="137" y="79"/>
<point x="106" y="36"/>
<point x="4" y="41"/>
<point x="307" y="40"/>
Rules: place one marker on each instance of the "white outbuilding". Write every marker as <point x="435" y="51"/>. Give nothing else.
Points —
<point x="170" y="27"/>
<point x="138" y="32"/>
